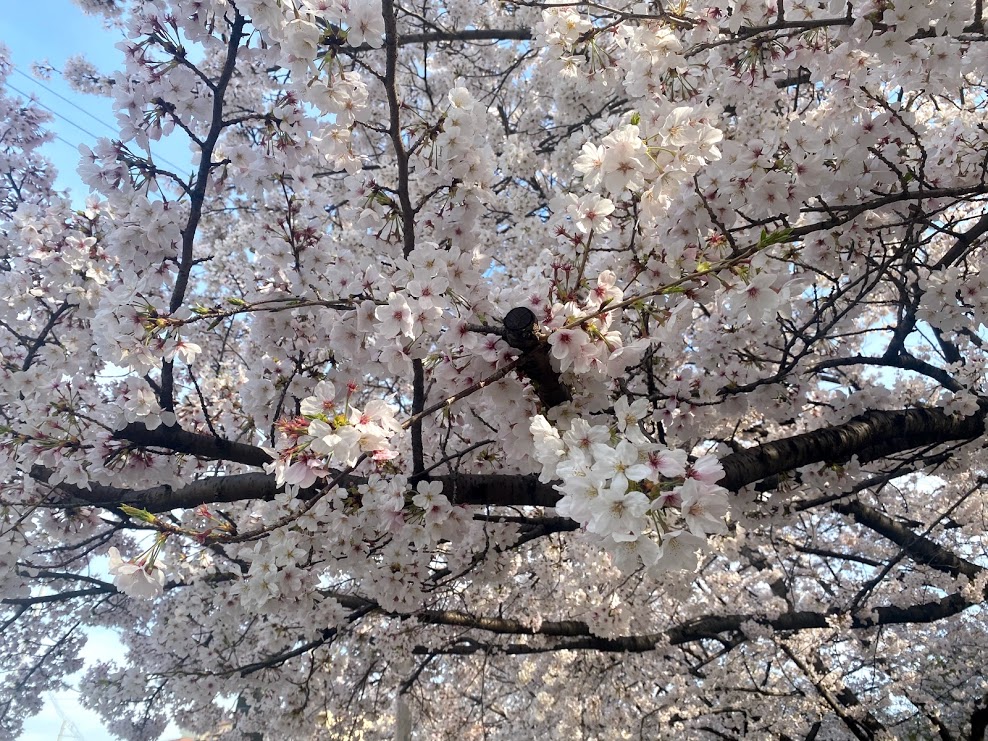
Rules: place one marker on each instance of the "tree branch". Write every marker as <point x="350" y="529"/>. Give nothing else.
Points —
<point x="920" y="549"/>
<point x="706" y="627"/>
<point x="176" y="439"/>
<point x="870" y="436"/>
<point x="198" y="198"/>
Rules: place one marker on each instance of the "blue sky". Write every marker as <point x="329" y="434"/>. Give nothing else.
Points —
<point x="57" y="33"/>
<point x="56" y="30"/>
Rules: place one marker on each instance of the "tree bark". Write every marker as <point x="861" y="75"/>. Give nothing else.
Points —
<point x="869" y="436"/>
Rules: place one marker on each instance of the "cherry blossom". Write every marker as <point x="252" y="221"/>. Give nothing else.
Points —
<point x="703" y="507"/>
<point x="497" y="359"/>
<point x="141" y="579"/>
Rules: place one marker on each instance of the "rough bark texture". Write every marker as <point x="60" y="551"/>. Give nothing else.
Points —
<point x="870" y="436"/>
<point x="519" y="332"/>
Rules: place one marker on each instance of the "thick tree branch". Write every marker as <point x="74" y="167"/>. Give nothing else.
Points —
<point x="579" y="637"/>
<point x="919" y="548"/>
<point x="489" y="489"/>
<point x="178" y="440"/>
<point x="519" y="332"/>
<point x="979" y="720"/>
<point x="870" y="436"/>
<point x="963" y="244"/>
<point x="466" y="35"/>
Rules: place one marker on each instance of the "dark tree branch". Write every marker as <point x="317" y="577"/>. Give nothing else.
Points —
<point x="979" y="720"/>
<point x="57" y="597"/>
<point x="407" y="213"/>
<point x="489" y="489"/>
<point x="42" y="337"/>
<point x="198" y="198"/>
<point x="963" y="244"/>
<point x="178" y="440"/>
<point x="919" y="548"/>
<point x="902" y="361"/>
<point x="474" y="34"/>
<point x="870" y="436"/>
<point x="577" y="635"/>
<point x="519" y="332"/>
<point x="328" y="634"/>
<point x="839" y="708"/>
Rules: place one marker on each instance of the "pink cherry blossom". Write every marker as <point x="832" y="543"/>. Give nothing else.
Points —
<point x="280" y="342"/>
<point x="136" y="579"/>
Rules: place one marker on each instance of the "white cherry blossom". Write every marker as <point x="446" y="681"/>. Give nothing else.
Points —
<point x="743" y="405"/>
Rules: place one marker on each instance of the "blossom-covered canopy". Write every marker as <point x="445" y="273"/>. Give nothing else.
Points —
<point x="503" y="369"/>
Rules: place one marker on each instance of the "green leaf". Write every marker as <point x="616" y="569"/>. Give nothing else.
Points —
<point x="138" y="514"/>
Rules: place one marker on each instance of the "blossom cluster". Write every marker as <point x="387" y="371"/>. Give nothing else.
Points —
<point x="22" y="136"/>
<point x="954" y="298"/>
<point x="386" y="533"/>
<point x="646" y="504"/>
<point x="141" y="578"/>
<point x="583" y="336"/>
<point x="653" y="157"/>
<point x="463" y="149"/>
<point x="331" y="432"/>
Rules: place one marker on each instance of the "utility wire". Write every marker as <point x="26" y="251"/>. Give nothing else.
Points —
<point x="178" y="168"/>
<point x="38" y="82"/>
<point x="54" y="112"/>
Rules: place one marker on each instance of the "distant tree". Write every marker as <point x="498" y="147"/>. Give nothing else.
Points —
<point x="506" y="370"/>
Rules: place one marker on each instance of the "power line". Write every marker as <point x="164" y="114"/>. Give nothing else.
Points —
<point x="38" y="82"/>
<point x="54" y="112"/>
<point x="69" y="121"/>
